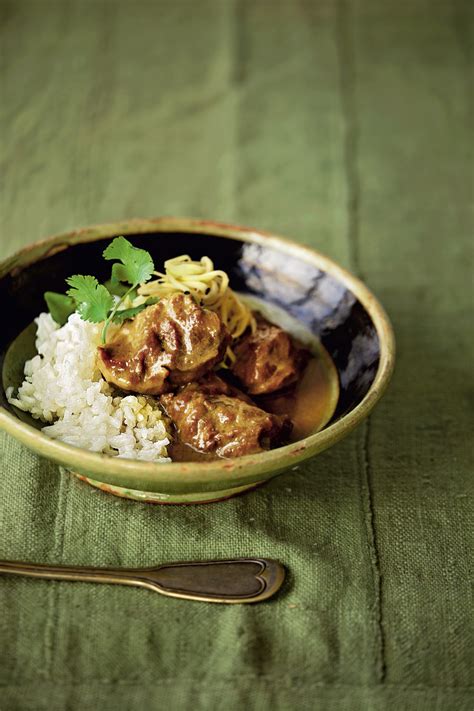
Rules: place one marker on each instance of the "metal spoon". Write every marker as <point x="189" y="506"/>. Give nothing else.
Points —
<point x="231" y="581"/>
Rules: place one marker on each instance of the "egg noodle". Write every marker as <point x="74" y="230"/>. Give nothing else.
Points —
<point x="210" y="289"/>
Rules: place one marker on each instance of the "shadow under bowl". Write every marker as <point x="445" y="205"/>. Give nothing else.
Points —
<point x="328" y="301"/>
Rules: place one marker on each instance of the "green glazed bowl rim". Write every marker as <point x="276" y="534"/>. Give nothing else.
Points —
<point x="151" y="476"/>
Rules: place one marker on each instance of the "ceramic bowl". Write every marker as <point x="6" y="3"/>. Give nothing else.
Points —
<point x="329" y="301"/>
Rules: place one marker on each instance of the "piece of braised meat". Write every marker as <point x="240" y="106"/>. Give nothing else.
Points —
<point x="268" y="359"/>
<point x="170" y="343"/>
<point x="216" y="418"/>
<point x="214" y="384"/>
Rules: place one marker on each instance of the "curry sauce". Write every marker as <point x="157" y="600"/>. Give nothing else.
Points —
<point x="312" y="402"/>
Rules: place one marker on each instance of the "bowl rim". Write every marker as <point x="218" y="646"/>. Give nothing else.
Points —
<point x="246" y="469"/>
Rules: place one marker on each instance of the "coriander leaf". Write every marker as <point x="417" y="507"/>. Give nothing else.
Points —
<point x="115" y="287"/>
<point x="93" y="300"/>
<point x="137" y="264"/>
<point x="124" y="314"/>
<point x="119" y="273"/>
<point x="59" y="306"/>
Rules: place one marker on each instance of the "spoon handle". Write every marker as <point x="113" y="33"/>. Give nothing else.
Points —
<point x="226" y="581"/>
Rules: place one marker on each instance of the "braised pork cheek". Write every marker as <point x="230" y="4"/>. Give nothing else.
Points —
<point x="213" y="384"/>
<point x="268" y="359"/>
<point x="168" y="344"/>
<point x="215" y="418"/>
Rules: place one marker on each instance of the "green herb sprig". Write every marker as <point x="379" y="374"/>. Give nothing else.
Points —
<point x="95" y="302"/>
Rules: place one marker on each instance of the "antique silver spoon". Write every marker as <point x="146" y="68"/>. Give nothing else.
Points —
<point x="226" y="581"/>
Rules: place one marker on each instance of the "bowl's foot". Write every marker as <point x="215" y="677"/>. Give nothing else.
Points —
<point x="152" y="497"/>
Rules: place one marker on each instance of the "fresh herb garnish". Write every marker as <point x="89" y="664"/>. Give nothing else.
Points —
<point x="59" y="306"/>
<point x="124" y="314"/>
<point x="137" y="265"/>
<point x="95" y="302"/>
<point x="116" y="288"/>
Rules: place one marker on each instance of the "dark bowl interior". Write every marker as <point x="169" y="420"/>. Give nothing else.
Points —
<point x="320" y="301"/>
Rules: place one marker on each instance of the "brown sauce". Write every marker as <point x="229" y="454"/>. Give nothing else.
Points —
<point x="181" y="452"/>
<point x="311" y="403"/>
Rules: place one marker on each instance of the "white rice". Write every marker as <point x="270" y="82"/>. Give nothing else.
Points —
<point x="63" y="386"/>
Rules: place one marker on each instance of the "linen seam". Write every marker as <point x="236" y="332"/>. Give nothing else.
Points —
<point x="347" y="76"/>
<point x="374" y="554"/>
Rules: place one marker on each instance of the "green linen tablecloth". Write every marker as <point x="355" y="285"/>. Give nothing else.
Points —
<point x="347" y="126"/>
